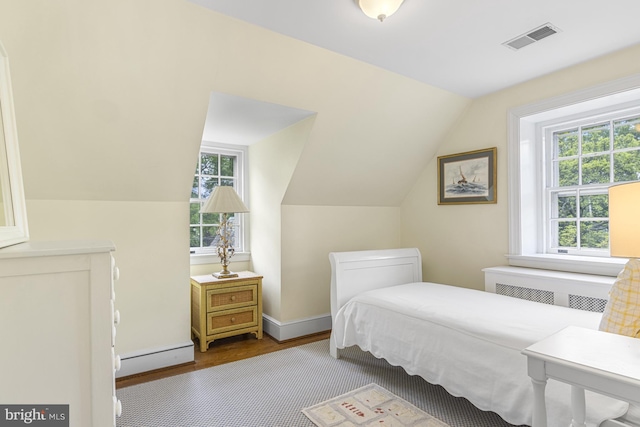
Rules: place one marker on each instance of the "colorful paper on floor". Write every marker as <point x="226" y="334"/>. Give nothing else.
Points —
<point x="370" y="405"/>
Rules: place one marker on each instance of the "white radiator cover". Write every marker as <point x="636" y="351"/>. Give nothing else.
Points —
<point x="580" y="291"/>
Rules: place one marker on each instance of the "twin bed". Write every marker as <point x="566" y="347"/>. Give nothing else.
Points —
<point x="465" y="340"/>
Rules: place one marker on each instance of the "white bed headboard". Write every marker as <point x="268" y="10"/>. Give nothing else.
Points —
<point x="356" y="272"/>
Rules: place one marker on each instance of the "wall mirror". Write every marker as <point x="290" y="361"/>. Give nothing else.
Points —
<point x="13" y="211"/>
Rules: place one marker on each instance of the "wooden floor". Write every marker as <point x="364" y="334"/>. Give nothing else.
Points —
<point x="222" y="351"/>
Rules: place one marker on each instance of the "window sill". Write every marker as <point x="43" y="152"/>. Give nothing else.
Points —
<point x="577" y="264"/>
<point x="211" y="258"/>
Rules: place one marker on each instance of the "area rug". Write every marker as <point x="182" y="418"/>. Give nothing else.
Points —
<point x="271" y="390"/>
<point x="370" y="405"/>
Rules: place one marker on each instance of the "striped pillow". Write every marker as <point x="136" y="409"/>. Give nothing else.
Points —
<point x="622" y="312"/>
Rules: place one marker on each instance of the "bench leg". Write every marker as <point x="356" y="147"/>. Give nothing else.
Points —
<point x="578" y="407"/>
<point x="539" y="406"/>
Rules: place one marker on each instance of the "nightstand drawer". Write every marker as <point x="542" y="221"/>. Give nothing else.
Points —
<point x="228" y="320"/>
<point x="225" y="307"/>
<point x="228" y="298"/>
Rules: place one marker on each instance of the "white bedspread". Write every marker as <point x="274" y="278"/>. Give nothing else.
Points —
<point x="469" y="342"/>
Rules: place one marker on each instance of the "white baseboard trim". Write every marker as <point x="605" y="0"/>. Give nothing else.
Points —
<point x="282" y="331"/>
<point x="148" y="360"/>
<point x="157" y="358"/>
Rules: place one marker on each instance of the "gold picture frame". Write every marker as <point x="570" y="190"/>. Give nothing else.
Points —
<point x="468" y="178"/>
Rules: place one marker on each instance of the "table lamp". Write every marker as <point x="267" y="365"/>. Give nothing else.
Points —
<point x="622" y="312"/>
<point x="224" y="200"/>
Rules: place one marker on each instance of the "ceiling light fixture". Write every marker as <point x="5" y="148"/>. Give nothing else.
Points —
<point x="379" y="9"/>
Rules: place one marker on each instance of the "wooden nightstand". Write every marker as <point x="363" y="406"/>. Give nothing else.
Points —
<point x="223" y="308"/>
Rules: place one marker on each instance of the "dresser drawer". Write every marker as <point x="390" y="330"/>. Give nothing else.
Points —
<point x="228" y="298"/>
<point x="229" y="320"/>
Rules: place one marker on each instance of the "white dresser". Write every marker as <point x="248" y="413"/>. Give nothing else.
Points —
<point x="57" y="329"/>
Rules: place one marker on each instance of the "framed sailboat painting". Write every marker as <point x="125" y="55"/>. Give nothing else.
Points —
<point x="467" y="178"/>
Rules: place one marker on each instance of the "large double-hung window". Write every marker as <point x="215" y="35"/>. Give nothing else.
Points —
<point x="584" y="159"/>
<point x="564" y="154"/>
<point x="217" y="166"/>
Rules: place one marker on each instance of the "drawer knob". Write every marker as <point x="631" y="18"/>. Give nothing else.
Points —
<point x="117" y="406"/>
<point x="233" y="297"/>
<point x="233" y="319"/>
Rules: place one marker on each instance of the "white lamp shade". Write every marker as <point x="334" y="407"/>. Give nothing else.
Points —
<point x="224" y="200"/>
<point x="624" y="220"/>
<point x="379" y="9"/>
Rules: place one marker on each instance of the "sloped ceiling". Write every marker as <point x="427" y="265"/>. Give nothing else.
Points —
<point x="111" y="100"/>
<point x="453" y="45"/>
<point x="236" y="120"/>
<point x="377" y="144"/>
<point x="111" y="97"/>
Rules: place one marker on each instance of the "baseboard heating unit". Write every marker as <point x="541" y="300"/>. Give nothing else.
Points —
<point x="580" y="291"/>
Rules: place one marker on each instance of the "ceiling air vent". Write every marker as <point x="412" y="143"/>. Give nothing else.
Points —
<point x="532" y="36"/>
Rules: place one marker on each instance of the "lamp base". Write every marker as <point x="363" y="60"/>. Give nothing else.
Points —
<point x="224" y="274"/>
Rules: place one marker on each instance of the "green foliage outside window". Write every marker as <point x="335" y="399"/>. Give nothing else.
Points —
<point x="587" y="161"/>
<point x="211" y="171"/>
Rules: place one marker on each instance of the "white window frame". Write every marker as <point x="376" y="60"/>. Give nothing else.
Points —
<point x="525" y="190"/>
<point x="545" y="134"/>
<point x="204" y="256"/>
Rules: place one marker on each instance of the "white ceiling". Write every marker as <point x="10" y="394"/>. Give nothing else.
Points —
<point x="452" y="44"/>
<point x="242" y="121"/>
<point x="455" y="45"/>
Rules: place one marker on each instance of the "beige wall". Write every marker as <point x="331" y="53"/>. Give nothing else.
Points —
<point x="110" y="104"/>
<point x="152" y="293"/>
<point x="271" y="164"/>
<point x="290" y="244"/>
<point x="309" y="233"/>
<point x="458" y="241"/>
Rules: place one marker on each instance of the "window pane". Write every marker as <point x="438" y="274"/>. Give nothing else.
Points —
<point x="626" y="133"/>
<point x="209" y="164"/>
<point x="626" y="166"/>
<point x="595" y="170"/>
<point x="594" y="206"/>
<point x="567" y="234"/>
<point x="194" y="188"/>
<point x="594" y="234"/>
<point x="195" y="237"/>
<point x="194" y="216"/>
<point x="567" y="143"/>
<point x="210" y="218"/>
<point x="206" y="186"/>
<point x="209" y="237"/>
<point x="213" y="169"/>
<point x="566" y="206"/>
<point x="595" y="139"/>
<point x="226" y="166"/>
<point x="567" y="172"/>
